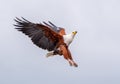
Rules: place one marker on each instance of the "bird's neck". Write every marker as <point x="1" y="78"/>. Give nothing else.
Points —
<point x="68" y="38"/>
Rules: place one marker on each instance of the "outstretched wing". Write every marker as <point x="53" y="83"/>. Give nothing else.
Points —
<point x="41" y="35"/>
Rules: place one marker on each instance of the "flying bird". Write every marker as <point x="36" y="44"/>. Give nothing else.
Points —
<point x="48" y="37"/>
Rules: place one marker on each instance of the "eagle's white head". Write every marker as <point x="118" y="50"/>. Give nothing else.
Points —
<point x="69" y="37"/>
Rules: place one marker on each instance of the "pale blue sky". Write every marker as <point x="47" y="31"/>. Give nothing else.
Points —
<point x="96" y="47"/>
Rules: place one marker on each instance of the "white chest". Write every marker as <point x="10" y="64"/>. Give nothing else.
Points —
<point x="68" y="39"/>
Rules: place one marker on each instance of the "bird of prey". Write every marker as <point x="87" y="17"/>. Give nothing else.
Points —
<point x="49" y="37"/>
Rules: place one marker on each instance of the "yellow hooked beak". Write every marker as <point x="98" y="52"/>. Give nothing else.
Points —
<point x="74" y="32"/>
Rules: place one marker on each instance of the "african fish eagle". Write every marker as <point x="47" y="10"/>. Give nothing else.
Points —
<point x="48" y="36"/>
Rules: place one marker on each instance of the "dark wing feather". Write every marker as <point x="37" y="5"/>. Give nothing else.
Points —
<point x="40" y="34"/>
<point x="53" y="26"/>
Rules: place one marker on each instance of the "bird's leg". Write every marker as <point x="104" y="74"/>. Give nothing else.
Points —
<point x="59" y="52"/>
<point x="50" y="54"/>
<point x="74" y="64"/>
<point x="71" y="59"/>
<point x="69" y="62"/>
<point x="55" y="52"/>
<point x="67" y="55"/>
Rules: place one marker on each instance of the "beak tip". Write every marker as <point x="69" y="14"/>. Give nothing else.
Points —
<point x="75" y="31"/>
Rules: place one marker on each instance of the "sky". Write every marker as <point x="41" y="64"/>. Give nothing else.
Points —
<point x="96" y="46"/>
